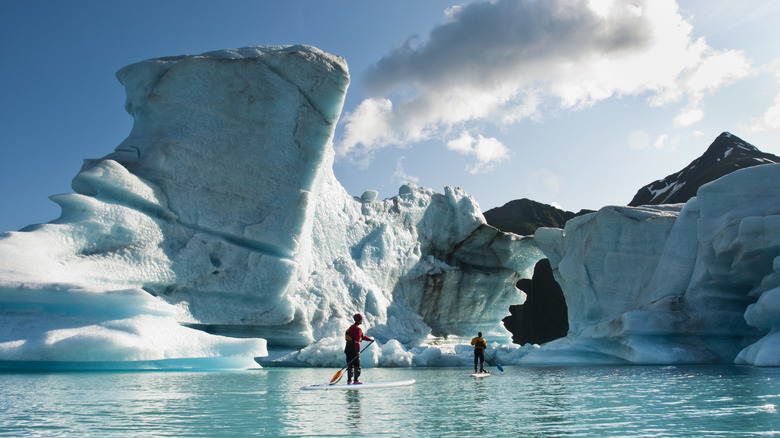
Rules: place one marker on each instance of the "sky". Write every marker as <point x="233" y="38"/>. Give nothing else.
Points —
<point x="571" y="103"/>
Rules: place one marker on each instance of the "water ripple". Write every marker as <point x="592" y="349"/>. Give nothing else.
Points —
<point x="522" y="401"/>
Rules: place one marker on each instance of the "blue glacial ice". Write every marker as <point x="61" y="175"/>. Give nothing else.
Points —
<point x="686" y="283"/>
<point x="217" y="235"/>
<point x="217" y="230"/>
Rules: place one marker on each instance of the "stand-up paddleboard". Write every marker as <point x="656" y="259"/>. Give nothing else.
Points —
<point x="369" y="385"/>
<point x="480" y="374"/>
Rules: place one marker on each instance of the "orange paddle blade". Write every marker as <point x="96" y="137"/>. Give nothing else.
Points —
<point x="336" y="377"/>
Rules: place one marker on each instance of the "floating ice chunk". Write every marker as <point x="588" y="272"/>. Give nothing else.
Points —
<point x="101" y="329"/>
<point x="395" y="355"/>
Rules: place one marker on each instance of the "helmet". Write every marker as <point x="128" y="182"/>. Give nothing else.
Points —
<point x="357" y="317"/>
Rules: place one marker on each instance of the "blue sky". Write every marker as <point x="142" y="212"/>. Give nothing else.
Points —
<point x="572" y="103"/>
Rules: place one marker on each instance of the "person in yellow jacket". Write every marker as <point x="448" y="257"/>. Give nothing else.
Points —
<point x="480" y="344"/>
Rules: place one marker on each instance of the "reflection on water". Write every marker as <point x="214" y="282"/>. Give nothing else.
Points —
<point x="522" y="401"/>
<point x="353" y="413"/>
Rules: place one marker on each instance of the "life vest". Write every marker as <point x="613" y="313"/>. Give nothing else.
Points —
<point x="478" y="342"/>
<point x="354" y="334"/>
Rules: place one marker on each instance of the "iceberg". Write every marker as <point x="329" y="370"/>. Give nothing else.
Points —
<point x="673" y="284"/>
<point x="216" y="236"/>
<point x="217" y="231"/>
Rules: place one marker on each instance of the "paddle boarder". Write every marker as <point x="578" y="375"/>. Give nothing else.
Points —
<point x="353" y="337"/>
<point x="480" y="344"/>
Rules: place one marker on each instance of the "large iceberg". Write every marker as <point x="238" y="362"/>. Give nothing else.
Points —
<point x="218" y="228"/>
<point x="216" y="235"/>
<point x="686" y="283"/>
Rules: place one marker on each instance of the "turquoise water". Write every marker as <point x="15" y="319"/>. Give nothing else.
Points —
<point x="521" y="401"/>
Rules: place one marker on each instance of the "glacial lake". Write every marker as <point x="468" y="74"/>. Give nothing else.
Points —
<point x="637" y="401"/>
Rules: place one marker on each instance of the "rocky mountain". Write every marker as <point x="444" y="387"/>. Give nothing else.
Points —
<point x="725" y="155"/>
<point x="524" y="216"/>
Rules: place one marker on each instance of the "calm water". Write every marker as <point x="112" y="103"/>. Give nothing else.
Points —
<point x="521" y="401"/>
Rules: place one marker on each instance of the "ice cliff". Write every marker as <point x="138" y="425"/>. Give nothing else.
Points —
<point x="217" y="228"/>
<point x="685" y="283"/>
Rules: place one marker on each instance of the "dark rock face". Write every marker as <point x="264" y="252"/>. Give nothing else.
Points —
<point x="544" y="316"/>
<point x="725" y="155"/>
<point x="524" y="216"/>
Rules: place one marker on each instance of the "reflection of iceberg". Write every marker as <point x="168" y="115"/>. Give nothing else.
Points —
<point x="220" y="212"/>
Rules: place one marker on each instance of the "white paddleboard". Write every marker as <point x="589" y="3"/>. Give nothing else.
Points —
<point x="368" y="385"/>
<point x="480" y="374"/>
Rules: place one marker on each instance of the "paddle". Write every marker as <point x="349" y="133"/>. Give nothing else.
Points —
<point x="498" y="365"/>
<point x="339" y="373"/>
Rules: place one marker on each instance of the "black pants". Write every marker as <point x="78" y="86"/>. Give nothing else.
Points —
<point x="479" y="356"/>
<point x="353" y="361"/>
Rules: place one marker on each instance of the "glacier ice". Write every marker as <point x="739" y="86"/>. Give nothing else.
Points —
<point x="217" y="234"/>
<point x="217" y="231"/>
<point x="684" y="283"/>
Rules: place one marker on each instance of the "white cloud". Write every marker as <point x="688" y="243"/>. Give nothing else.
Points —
<point x="716" y="70"/>
<point x="507" y="60"/>
<point x="667" y="142"/>
<point x="661" y="141"/>
<point x="713" y="72"/>
<point x="462" y="144"/>
<point x="770" y="120"/>
<point x="400" y="174"/>
<point x="486" y="151"/>
<point x="601" y="7"/>
<point x="369" y="124"/>
<point x="688" y="117"/>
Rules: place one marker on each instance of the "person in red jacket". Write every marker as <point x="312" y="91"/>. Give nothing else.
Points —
<point x="353" y="336"/>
